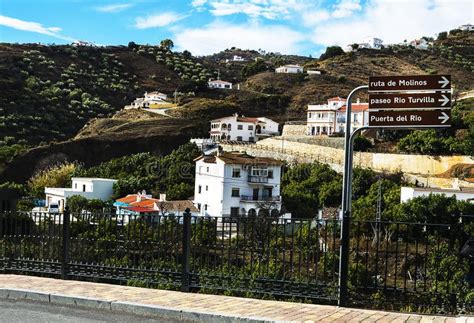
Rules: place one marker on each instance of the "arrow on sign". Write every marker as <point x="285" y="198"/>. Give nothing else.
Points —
<point x="445" y="100"/>
<point x="443" y="117"/>
<point x="443" y="82"/>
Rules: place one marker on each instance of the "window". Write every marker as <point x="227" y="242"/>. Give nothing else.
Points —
<point x="236" y="172"/>
<point x="250" y="127"/>
<point x="199" y="189"/>
<point x="259" y="171"/>
<point x="270" y="173"/>
<point x="251" y="139"/>
<point x="207" y="188"/>
<point x="199" y="206"/>
<point x="239" y="138"/>
<point x="84" y="187"/>
<point x="234" y="211"/>
<point x="75" y="185"/>
<point x="205" y="207"/>
<point x="207" y="169"/>
<point x="235" y="192"/>
<point x="240" y="127"/>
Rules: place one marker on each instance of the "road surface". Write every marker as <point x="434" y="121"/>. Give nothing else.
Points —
<point x="35" y="312"/>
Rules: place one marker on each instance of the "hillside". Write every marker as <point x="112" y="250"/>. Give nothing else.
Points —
<point x="58" y="96"/>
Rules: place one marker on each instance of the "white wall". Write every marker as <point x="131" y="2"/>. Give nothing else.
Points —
<point x="220" y="183"/>
<point x="408" y="193"/>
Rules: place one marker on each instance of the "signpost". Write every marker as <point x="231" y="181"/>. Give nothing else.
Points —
<point x="409" y="83"/>
<point x="414" y="118"/>
<point x="389" y="101"/>
<point x="395" y="102"/>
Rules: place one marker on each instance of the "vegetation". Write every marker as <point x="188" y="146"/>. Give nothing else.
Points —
<point x="53" y="176"/>
<point x="331" y="51"/>
<point x="172" y="174"/>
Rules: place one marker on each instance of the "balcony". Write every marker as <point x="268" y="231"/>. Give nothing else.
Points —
<point x="253" y="199"/>
<point x="258" y="179"/>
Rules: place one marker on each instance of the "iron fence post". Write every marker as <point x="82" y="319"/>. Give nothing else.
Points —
<point x="65" y="244"/>
<point x="186" y="250"/>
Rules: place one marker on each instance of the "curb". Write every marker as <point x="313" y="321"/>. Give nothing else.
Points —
<point x="125" y="307"/>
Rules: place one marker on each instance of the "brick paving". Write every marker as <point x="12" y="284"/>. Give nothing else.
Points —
<point x="226" y="306"/>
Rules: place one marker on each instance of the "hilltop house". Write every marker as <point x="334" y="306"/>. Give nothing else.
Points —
<point x="367" y="42"/>
<point x="421" y="43"/>
<point x="326" y="119"/>
<point x="241" y="128"/>
<point x="466" y="27"/>
<point x="219" y="84"/>
<point x="236" y="184"/>
<point x="142" y="204"/>
<point x="150" y="100"/>
<point x="90" y="188"/>
<point x="462" y="194"/>
<point x="236" y="58"/>
<point x="291" y="69"/>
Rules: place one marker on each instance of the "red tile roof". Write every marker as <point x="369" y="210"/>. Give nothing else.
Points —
<point x="145" y="203"/>
<point x="336" y="98"/>
<point x="128" y="199"/>
<point x="356" y="107"/>
<point x="247" y="119"/>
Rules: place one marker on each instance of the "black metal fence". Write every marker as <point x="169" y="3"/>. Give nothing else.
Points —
<point x="407" y="266"/>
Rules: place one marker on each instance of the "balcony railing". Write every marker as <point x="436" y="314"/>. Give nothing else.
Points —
<point x="250" y="198"/>
<point x="258" y="179"/>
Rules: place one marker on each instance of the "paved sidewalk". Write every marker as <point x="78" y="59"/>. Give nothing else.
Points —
<point x="190" y="306"/>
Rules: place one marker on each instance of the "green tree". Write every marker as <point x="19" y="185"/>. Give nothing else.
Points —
<point x="55" y="176"/>
<point x="443" y="35"/>
<point x="331" y="51"/>
<point x="167" y="44"/>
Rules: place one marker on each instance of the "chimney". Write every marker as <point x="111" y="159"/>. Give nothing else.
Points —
<point x="456" y="184"/>
<point x="358" y="100"/>
<point x="162" y="197"/>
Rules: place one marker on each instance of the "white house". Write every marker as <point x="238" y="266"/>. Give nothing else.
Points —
<point x="236" y="184"/>
<point x="236" y="58"/>
<point x="241" y="128"/>
<point x="374" y="43"/>
<point x="313" y="72"/>
<point x="219" y="84"/>
<point x="291" y="69"/>
<point x="421" y="43"/>
<point x="462" y="194"/>
<point x="90" y="188"/>
<point x="326" y="119"/>
<point x="150" y="100"/>
<point x="466" y="27"/>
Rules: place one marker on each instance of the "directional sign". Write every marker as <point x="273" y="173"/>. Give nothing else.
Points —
<point x="407" y="83"/>
<point x="387" y="101"/>
<point x="412" y="119"/>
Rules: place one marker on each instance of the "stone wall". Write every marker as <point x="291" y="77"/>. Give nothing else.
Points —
<point x="294" y="130"/>
<point x="416" y="168"/>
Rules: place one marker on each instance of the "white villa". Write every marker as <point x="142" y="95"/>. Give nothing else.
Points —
<point x="90" y="188"/>
<point x="421" y="43"/>
<point x="462" y="194"/>
<point x="241" y="128"/>
<point x="326" y="119"/>
<point x="369" y="43"/>
<point x="290" y="69"/>
<point x="236" y="58"/>
<point x="466" y="27"/>
<point x="150" y="100"/>
<point x="219" y="84"/>
<point x="236" y="184"/>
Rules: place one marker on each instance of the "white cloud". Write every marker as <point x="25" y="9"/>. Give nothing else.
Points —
<point x="394" y="21"/>
<point x="218" y="36"/>
<point x="313" y="18"/>
<point x="33" y="27"/>
<point x="198" y="3"/>
<point x="112" y="8"/>
<point x="345" y="8"/>
<point x="158" y="20"/>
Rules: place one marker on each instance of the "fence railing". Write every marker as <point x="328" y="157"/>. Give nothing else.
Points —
<point x="399" y="265"/>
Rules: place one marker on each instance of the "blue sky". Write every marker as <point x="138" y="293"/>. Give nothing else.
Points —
<point x="206" y="26"/>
